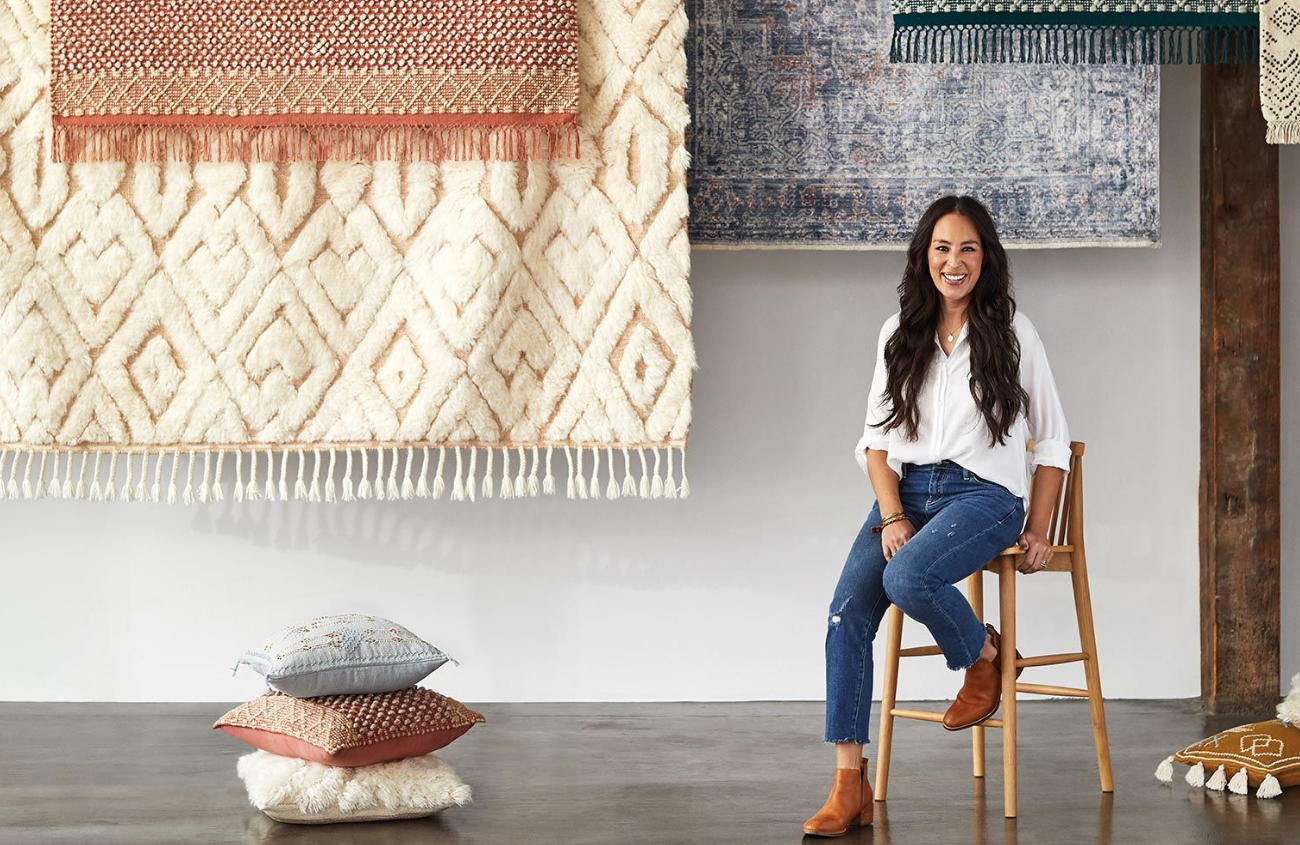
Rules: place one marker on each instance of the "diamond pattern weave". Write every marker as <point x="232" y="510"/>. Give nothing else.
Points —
<point x="246" y="311"/>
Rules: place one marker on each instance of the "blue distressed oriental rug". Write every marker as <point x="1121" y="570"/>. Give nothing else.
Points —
<point x="804" y="135"/>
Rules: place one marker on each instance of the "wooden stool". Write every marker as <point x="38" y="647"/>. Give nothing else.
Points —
<point x="1067" y="556"/>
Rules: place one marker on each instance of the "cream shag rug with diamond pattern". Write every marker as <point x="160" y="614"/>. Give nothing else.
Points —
<point x="352" y="330"/>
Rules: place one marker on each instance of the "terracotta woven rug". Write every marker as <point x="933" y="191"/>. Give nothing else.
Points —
<point x="1279" y="69"/>
<point x="348" y="330"/>
<point x="291" y="80"/>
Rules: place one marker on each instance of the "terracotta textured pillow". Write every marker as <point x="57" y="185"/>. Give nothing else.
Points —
<point x="1261" y="754"/>
<point x="350" y="730"/>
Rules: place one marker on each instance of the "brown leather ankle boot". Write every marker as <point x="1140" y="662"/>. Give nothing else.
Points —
<point x="849" y="804"/>
<point x="981" y="694"/>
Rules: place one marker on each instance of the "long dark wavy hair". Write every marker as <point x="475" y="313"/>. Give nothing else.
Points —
<point x="994" y="348"/>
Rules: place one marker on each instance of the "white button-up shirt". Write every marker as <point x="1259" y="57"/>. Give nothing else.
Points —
<point x="951" y="427"/>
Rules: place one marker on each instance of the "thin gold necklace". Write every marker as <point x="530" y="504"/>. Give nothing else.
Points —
<point x="950" y="334"/>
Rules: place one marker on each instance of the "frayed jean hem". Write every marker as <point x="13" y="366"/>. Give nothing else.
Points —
<point x="979" y="649"/>
<point x="850" y="739"/>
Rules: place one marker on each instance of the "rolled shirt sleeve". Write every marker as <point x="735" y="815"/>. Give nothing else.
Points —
<point x="1046" y="417"/>
<point x="877" y="410"/>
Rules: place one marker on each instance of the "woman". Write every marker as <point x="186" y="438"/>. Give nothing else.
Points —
<point x="961" y="385"/>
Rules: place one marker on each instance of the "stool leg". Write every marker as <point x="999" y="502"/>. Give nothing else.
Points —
<point x="1092" y="671"/>
<point x="1007" y="586"/>
<point x="975" y="591"/>
<point x="893" y="644"/>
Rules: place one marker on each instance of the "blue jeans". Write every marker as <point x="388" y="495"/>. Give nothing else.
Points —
<point x="961" y="522"/>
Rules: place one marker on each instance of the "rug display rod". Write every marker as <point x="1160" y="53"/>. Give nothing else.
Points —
<point x="257" y="473"/>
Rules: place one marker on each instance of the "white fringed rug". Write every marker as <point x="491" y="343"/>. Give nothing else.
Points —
<point x="352" y="330"/>
<point x="1279" y="69"/>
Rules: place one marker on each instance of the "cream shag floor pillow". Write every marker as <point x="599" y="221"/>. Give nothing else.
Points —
<point x="300" y="791"/>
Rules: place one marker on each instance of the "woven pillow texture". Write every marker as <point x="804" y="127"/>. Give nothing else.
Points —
<point x="303" y="792"/>
<point x="1261" y="748"/>
<point x="350" y="730"/>
<point x="335" y="655"/>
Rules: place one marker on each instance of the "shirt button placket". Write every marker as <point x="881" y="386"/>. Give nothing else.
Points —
<point x="943" y="400"/>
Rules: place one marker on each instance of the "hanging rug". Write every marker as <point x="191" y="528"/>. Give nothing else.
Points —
<point x="291" y="80"/>
<point x="1279" y="69"/>
<point x="1076" y="31"/>
<point x="329" y="331"/>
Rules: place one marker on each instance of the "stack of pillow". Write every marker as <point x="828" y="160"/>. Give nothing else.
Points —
<point x="344" y="734"/>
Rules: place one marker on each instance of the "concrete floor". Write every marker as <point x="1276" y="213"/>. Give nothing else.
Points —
<point x="631" y="773"/>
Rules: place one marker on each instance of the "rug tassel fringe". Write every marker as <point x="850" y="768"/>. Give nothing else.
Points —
<point x="1075" y="44"/>
<point x="611" y="492"/>
<point x="300" y="483"/>
<point x="40" y="475"/>
<point x="313" y="494"/>
<point x="173" y="492"/>
<point x="1283" y="132"/>
<point x="205" y="492"/>
<point x="507" y="483"/>
<point x="96" y="477"/>
<point x="408" y="486"/>
<point x="439" y="487"/>
<point x="284" y="476"/>
<point x="254" y="491"/>
<point x="315" y="143"/>
<point x="458" y="486"/>
<point x="363" y="489"/>
<point x="629" y="483"/>
<point x="268" y="489"/>
<point x="1165" y="771"/>
<point x="27" y="476"/>
<point x="187" y="496"/>
<point x="331" y="492"/>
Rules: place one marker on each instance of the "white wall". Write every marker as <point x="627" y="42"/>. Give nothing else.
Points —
<point x="722" y="596"/>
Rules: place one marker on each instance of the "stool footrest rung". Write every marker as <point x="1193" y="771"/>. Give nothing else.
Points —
<point x="1048" y="689"/>
<point x="935" y="716"/>
<point x="1053" y="659"/>
<point x="920" y="651"/>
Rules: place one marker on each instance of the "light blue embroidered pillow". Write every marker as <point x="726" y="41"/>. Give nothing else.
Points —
<point x="338" y="655"/>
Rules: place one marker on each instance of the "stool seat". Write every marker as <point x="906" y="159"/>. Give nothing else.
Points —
<point x="1067" y="556"/>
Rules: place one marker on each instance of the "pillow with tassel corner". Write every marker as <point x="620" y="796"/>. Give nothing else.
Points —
<point x="339" y="655"/>
<point x="1263" y="755"/>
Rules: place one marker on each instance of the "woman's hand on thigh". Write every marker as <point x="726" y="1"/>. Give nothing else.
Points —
<point x="894" y="535"/>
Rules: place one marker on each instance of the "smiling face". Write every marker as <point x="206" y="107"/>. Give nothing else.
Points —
<point x="956" y="257"/>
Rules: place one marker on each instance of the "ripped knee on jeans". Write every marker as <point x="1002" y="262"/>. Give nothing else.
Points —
<point x="837" y="613"/>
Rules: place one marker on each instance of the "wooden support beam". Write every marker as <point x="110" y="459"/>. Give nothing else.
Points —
<point x="1240" y="507"/>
